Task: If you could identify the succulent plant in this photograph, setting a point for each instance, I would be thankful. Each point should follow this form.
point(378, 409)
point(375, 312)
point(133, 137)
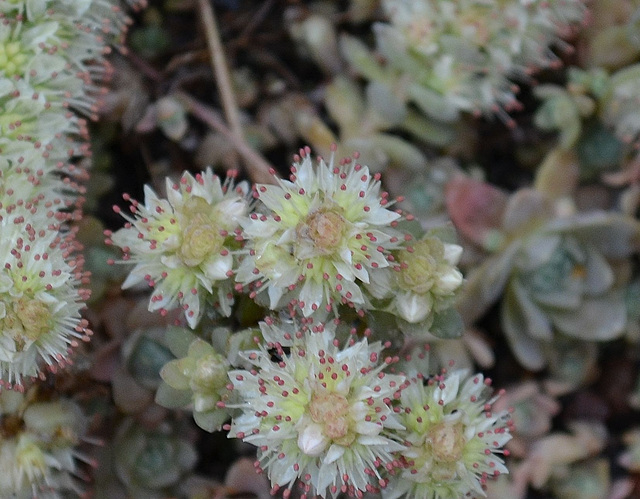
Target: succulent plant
point(452, 437)
point(557, 272)
point(424, 281)
point(199, 377)
point(321, 414)
point(322, 235)
point(463, 56)
point(150, 462)
point(182, 246)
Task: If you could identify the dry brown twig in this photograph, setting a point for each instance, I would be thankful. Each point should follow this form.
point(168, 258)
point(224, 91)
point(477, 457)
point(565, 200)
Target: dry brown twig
point(257, 167)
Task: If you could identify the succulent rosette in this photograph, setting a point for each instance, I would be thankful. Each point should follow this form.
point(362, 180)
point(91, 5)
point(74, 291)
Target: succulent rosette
point(561, 273)
point(320, 414)
point(183, 246)
point(322, 235)
point(452, 438)
point(148, 460)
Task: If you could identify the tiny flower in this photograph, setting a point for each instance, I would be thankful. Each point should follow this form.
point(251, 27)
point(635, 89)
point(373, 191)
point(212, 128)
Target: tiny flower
point(182, 246)
point(319, 414)
point(325, 231)
point(37, 448)
point(426, 279)
point(40, 298)
point(452, 438)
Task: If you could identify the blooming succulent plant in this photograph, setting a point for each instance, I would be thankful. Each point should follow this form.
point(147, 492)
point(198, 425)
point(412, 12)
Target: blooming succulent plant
point(462, 56)
point(423, 282)
point(451, 437)
point(38, 446)
point(40, 298)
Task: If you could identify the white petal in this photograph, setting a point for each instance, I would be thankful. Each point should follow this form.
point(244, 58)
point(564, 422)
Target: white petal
point(334, 453)
point(413, 307)
point(216, 268)
point(312, 440)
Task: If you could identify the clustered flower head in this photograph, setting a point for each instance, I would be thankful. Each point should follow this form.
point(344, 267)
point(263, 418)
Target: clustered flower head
point(183, 246)
point(323, 234)
point(319, 413)
point(38, 441)
point(40, 297)
point(332, 419)
point(423, 282)
point(51, 66)
point(462, 56)
point(451, 438)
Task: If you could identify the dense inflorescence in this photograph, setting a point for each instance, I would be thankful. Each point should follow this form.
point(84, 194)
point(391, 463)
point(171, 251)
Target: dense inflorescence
point(183, 246)
point(452, 438)
point(322, 414)
point(322, 235)
point(466, 56)
point(51, 68)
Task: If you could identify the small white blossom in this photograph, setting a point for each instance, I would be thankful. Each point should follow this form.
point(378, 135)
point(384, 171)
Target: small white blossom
point(452, 438)
point(182, 246)
point(37, 448)
point(318, 413)
point(40, 297)
point(324, 232)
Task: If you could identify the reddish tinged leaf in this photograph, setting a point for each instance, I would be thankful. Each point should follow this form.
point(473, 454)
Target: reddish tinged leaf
point(476, 208)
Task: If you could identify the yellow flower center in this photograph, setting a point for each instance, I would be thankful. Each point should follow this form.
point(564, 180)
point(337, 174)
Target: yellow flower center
point(324, 228)
point(331, 410)
point(200, 235)
point(12, 58)
point(447, 442)
point(420, 267)
point(25, 321)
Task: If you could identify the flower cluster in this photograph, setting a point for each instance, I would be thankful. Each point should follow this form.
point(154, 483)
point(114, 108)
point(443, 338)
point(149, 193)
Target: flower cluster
point(40, 298)
point(51, 65)
point(321, 414)
point(325, 232)
point(451, 438)
point(38, 446)
point(463, 56)
point(331, 418)
point(423, 282)
point(183, 245)
point(323, 239)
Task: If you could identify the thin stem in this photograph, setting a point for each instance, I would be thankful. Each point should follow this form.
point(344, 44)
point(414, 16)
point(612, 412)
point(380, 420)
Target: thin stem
point(258, 168)
point(220, 68)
